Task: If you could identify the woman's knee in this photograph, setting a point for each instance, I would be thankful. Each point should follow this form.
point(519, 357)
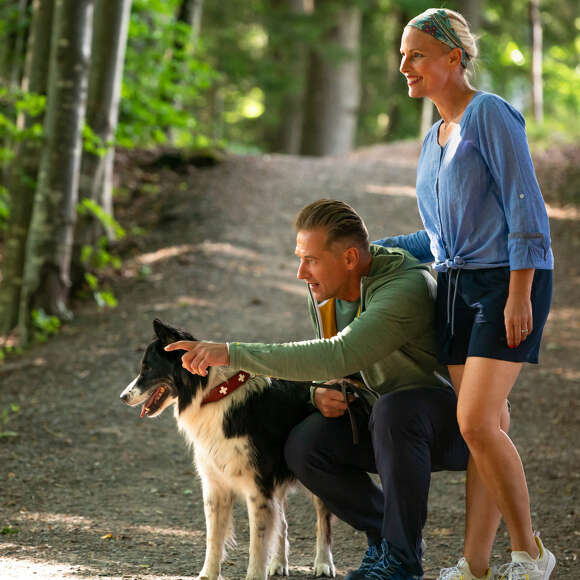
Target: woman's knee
point(478, 428)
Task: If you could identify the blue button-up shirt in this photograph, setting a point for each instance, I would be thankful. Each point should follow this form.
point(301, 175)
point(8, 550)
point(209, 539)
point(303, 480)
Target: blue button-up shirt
point(478, 195)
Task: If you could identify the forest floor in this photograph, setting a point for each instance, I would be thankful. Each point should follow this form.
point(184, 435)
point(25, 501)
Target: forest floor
point(87, 489)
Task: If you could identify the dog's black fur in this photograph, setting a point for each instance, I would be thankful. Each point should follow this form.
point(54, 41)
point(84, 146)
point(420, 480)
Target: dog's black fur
point(250, 426)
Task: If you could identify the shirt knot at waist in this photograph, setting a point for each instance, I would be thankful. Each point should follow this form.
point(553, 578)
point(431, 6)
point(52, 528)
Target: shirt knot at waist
point(456, 263)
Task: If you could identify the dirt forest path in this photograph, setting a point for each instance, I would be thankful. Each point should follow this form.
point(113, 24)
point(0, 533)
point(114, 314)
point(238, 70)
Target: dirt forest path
point(88, 490)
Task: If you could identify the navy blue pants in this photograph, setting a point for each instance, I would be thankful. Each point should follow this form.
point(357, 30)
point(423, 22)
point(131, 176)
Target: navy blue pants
point(410, 434)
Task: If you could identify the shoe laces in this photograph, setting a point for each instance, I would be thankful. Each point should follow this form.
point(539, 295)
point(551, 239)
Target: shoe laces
point(517, 571)
point(453, 573)
point(370, 558)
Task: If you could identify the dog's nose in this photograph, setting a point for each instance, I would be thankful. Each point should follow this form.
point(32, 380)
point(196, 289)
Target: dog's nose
point(124, 397)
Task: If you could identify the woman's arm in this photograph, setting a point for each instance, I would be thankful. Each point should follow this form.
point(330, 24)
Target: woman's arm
point(417, 244)
point(518, 308)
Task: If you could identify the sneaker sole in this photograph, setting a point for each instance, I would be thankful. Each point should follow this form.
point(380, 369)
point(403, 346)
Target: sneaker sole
point(551, 566)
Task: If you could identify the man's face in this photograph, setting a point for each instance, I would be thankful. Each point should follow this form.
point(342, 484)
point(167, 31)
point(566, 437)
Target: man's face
point(324, 269)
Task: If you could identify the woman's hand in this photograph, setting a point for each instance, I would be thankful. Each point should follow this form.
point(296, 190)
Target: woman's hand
point(201, 355)
point(518, 309)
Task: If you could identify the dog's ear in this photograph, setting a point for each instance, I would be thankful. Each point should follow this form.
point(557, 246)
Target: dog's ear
point(165, 333)
point(168, 334)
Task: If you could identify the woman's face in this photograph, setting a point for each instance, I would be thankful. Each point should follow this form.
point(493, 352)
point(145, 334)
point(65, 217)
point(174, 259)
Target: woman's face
point(426, 63)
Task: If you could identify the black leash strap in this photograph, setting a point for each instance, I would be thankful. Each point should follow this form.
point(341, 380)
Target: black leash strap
point(347, 388)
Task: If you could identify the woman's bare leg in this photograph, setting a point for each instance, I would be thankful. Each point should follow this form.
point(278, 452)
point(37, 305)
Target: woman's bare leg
point(482, 515)
point(485, 386)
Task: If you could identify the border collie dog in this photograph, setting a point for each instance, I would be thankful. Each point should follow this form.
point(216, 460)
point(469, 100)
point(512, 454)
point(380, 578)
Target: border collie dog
point(237, 424)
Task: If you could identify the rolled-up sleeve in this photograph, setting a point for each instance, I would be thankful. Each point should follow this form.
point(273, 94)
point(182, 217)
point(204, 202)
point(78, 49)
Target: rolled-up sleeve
point(504, 148)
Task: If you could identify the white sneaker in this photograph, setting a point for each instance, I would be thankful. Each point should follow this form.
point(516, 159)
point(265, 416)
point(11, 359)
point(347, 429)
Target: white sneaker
point(524, 567)
point(461, 572)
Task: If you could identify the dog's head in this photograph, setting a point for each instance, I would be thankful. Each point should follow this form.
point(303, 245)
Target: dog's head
point(162, 381)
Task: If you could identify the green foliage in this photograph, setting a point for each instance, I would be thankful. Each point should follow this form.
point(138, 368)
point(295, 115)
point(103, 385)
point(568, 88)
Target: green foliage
point(107, 221)
point(5, 416)
point(44, 325)
point(97, 259)
point(162, 81)
point(103, 298)
point(4, 206)
point(8, 530)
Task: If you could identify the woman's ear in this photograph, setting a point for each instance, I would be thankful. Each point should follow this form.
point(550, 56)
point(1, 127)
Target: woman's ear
point(454, 57)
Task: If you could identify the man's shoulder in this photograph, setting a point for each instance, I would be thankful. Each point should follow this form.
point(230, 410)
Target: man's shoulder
point(394, 262)
point(409, 282)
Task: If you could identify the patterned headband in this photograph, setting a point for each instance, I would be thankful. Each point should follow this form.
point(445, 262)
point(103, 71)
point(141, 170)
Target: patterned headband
point(437, 24)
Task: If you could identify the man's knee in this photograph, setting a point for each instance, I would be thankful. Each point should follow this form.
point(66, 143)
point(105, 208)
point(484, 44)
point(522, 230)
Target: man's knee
point(395, 413)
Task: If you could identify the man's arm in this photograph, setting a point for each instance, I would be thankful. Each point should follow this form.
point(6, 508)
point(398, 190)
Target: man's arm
point(394, 316)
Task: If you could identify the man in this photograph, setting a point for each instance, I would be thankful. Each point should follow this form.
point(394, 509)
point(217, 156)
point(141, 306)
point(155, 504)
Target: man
point(372, 309)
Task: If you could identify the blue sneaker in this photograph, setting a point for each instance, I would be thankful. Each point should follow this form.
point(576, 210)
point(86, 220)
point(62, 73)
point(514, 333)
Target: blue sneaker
point(370, 558)
point(388, 567)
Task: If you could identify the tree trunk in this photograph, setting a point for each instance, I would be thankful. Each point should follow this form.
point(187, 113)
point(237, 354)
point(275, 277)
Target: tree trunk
point(111, 25)
point(13, 63)
point(292, 107)
point(333, 93)
point(473, 12)
point(190, 13)
point(537, 87)
point(19, 44)
point(24, 168)
point(49, 245)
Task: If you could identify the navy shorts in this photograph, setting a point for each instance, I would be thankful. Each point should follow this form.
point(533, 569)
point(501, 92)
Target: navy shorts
point(470, 317)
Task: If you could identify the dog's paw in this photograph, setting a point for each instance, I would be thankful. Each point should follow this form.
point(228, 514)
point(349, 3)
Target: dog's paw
point(277, 568)
point(204, 576)
point(324, 569)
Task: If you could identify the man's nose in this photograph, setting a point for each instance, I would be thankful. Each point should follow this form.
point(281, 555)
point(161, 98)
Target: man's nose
point(301, 273)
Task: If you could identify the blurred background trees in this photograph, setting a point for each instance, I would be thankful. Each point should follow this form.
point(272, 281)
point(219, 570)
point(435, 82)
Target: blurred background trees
point(311, 77)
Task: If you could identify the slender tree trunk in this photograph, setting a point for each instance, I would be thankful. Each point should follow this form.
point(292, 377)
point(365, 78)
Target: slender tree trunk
point(292, 108)
point(19, 44)
point(50, 240)
point(473, 12)
point(24, 168)
point(537, 86)
point(190, 13)
point(333, 93)
point(111, 25)
point(13, 66)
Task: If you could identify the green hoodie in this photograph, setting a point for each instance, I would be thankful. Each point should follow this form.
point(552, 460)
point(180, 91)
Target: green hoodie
point(391, 342)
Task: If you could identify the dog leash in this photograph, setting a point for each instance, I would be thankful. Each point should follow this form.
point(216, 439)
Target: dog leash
point(348, 388)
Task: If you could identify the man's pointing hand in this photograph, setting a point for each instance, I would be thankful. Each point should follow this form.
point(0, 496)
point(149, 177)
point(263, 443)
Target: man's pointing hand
point(201, 355)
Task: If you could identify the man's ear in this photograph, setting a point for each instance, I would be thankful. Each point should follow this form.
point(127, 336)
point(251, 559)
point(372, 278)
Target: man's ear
point(168, 334)
point(351, 257)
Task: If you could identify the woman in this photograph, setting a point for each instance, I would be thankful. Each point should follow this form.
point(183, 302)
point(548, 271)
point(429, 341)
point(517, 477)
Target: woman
point(486, 229)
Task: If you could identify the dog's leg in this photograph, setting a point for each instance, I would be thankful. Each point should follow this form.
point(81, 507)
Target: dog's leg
point(263, 517)
point(279, 562)
point(217, 505)
point(323, 563)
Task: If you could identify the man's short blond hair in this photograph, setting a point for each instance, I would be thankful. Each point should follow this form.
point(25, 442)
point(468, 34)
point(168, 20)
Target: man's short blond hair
point(341, 221)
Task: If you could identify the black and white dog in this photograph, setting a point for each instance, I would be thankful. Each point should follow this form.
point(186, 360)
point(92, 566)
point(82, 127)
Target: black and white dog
point(237, 424)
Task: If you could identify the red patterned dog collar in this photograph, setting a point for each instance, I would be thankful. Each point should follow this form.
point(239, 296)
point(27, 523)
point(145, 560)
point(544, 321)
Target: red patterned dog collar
point(224, 389)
